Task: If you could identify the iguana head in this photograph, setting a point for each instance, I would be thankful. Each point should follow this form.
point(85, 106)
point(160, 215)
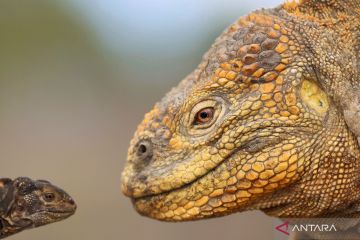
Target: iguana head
point(249, 124)
point(32, 203)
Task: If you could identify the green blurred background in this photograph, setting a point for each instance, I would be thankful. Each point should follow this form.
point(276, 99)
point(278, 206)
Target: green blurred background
point(76, 77)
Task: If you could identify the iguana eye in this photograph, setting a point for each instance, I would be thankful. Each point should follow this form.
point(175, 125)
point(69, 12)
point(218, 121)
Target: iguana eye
point(205, 115)
point(49, 197)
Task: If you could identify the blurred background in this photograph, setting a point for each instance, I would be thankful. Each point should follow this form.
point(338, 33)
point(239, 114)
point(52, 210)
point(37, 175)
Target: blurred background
point(76, 77)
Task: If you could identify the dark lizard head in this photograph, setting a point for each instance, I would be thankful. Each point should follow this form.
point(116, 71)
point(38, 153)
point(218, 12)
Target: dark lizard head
point(30, 204)
point(256, 125)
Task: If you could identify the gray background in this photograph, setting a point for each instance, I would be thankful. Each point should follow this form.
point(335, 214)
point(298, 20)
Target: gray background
point(76, 78)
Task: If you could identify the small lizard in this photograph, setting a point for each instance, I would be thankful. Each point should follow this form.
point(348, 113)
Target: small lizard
point(267, 121)
point(26, 203)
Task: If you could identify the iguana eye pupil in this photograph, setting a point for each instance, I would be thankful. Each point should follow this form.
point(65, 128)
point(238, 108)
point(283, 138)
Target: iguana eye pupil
point(49, 197)
point(204, 115)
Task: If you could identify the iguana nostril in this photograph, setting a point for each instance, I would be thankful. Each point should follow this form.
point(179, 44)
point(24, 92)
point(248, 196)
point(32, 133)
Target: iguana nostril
point(144, 149)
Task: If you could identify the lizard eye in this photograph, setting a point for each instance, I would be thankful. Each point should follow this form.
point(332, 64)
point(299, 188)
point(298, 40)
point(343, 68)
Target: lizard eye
point(205, 115)
point(49, 197)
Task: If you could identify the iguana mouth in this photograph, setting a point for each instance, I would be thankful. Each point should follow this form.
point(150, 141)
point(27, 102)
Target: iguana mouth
point(267, 142)
point(57, 214)
point(59, 211)
point(251, 146)
point(164, 193)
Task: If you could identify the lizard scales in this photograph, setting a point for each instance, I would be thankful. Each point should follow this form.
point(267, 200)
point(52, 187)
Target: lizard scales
point(267, 121)
point(26, 204)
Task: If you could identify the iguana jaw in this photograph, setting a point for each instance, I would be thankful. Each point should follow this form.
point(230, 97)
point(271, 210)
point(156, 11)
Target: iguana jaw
point(51, 216)
point(216, 194)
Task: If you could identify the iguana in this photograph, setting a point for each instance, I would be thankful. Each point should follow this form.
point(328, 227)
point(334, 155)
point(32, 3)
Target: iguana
point(26, 203)
point(267, 121)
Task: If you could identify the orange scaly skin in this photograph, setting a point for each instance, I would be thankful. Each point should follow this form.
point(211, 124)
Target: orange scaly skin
point(281, 85)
